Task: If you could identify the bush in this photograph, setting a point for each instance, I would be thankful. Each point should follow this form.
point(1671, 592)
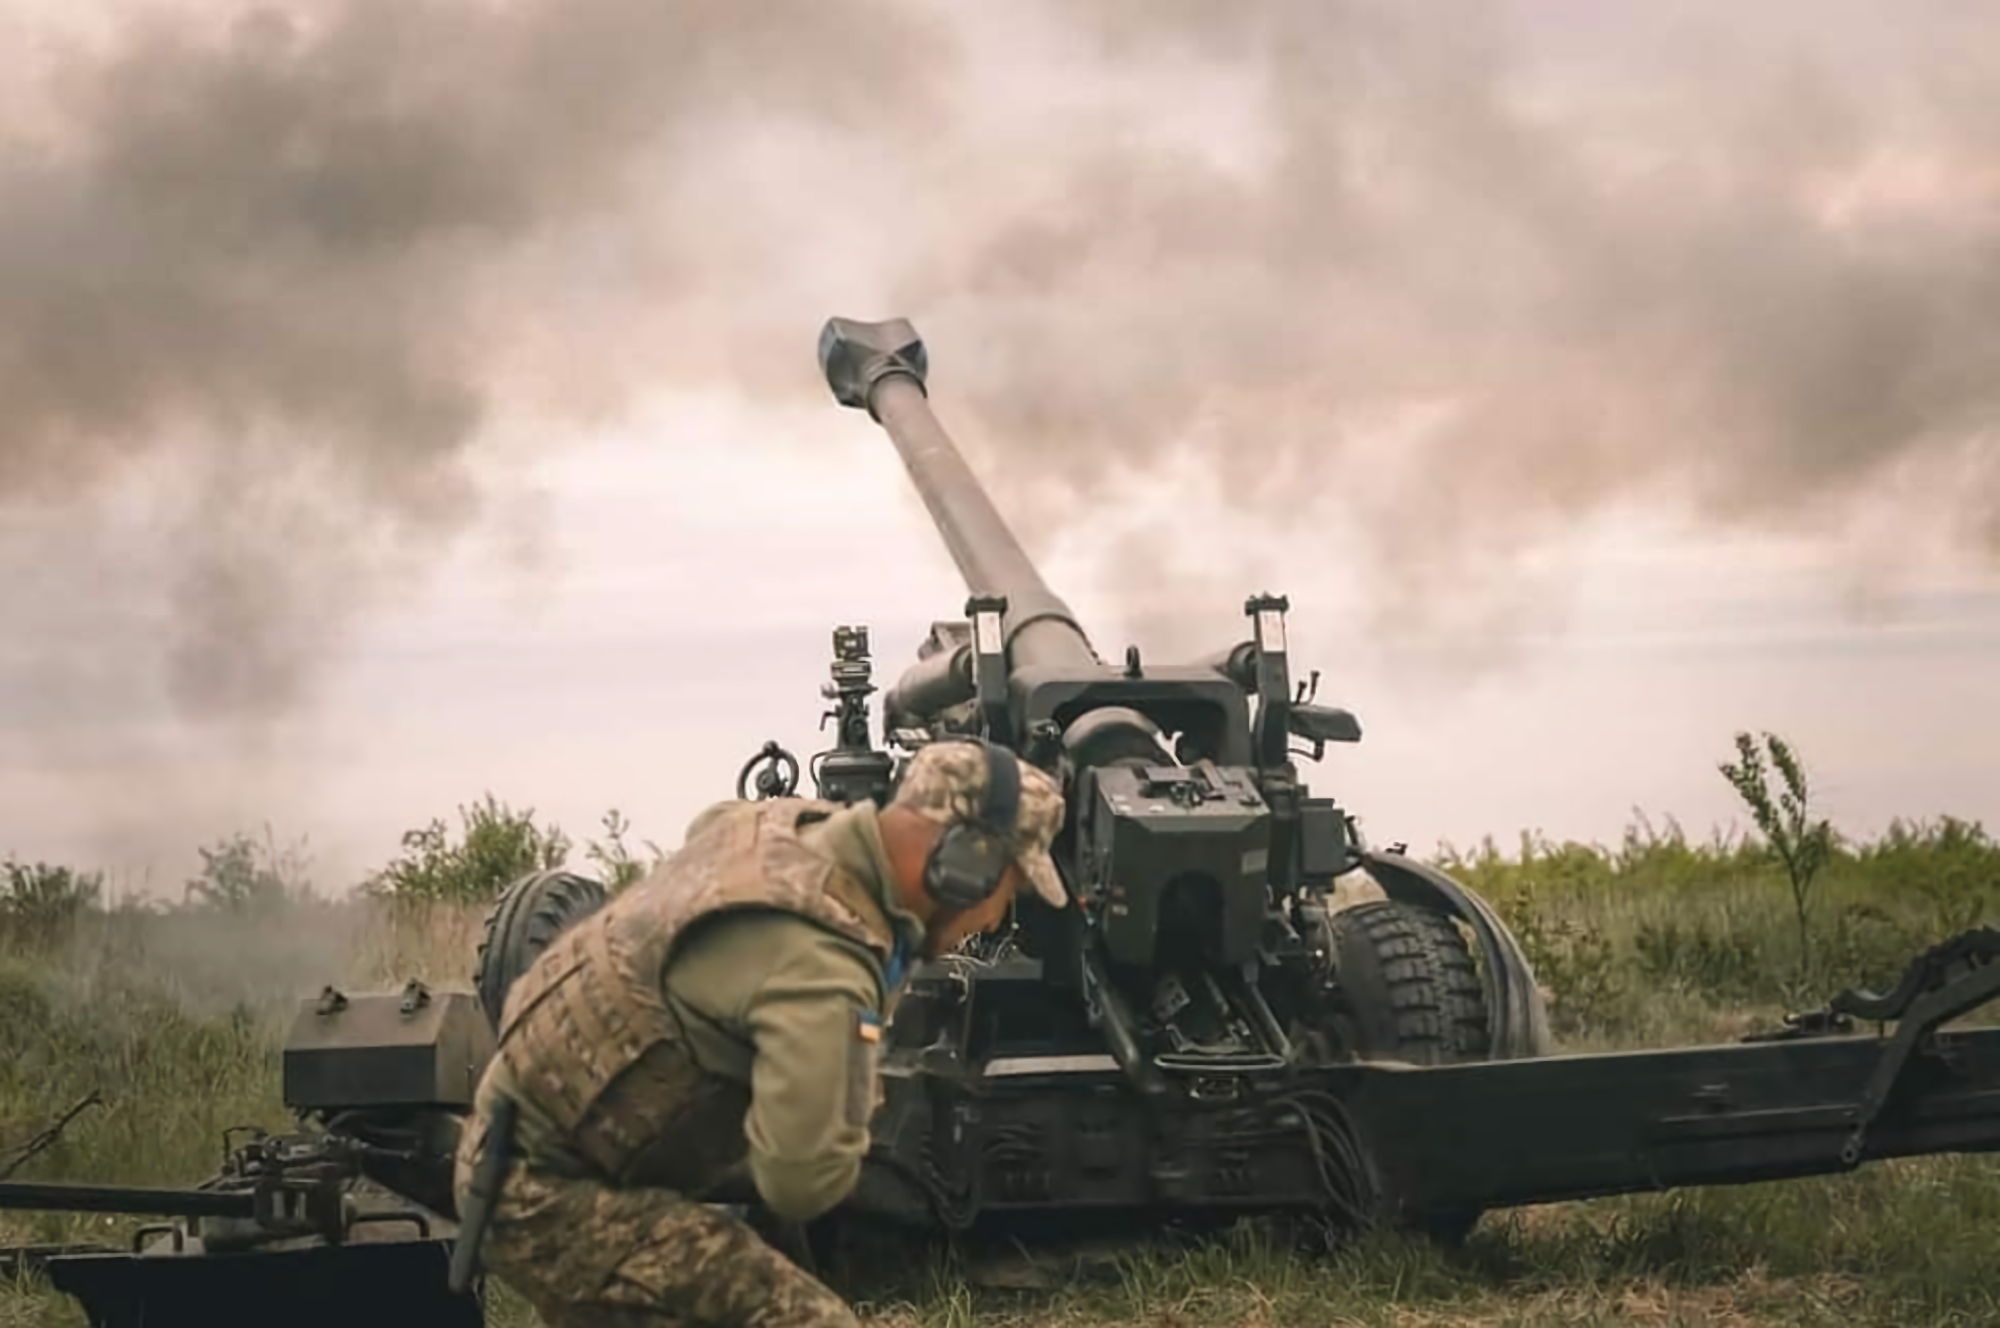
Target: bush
point(611, 854)
point(42, 904)
point(240, 875)
point(499, 845)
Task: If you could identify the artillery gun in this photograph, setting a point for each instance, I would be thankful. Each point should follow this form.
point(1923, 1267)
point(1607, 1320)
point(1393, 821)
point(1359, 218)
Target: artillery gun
point(1140, 1051)
point(1207, 1032)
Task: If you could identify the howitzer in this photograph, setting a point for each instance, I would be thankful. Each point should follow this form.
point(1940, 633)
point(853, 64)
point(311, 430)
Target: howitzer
point(1211, 1030)
point(1208, 1032)
point(1203, 970)
point(1200, 864)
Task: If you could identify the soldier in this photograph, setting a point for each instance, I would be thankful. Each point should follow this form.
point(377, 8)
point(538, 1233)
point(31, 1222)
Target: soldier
point(722, 1016)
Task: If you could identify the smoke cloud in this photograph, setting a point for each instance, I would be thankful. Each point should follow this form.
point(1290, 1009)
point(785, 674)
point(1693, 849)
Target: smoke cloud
point(294, 263)
point(1422, 285)
point(1496, 268)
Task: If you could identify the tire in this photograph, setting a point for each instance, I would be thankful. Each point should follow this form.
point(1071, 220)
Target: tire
point(1411, 993)
point(529, 914)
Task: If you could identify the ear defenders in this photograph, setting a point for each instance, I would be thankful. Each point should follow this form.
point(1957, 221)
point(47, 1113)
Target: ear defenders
point(965, 865)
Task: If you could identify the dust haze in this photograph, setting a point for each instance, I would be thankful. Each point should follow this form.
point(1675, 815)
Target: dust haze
point(1421, 285)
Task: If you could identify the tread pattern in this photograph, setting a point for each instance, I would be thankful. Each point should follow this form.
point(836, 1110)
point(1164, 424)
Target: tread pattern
point(1411, 993)
point(530, 913)
point(1410, 983)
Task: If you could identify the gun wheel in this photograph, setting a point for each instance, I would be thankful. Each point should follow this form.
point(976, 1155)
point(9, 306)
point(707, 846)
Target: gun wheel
point(529, 914)
point(1412, 992)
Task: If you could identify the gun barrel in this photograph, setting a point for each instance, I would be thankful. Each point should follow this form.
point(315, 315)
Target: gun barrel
point(134, 1200)
point(881, 367)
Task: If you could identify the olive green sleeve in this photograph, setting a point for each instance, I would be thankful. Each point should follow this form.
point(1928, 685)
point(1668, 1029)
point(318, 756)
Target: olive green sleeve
point(813, 1077)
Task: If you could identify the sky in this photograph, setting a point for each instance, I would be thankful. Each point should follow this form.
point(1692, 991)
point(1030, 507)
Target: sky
point(395, 420)
point(671, 628)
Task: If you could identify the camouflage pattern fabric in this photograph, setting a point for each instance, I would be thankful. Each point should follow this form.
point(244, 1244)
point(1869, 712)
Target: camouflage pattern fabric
point(588, 1041)
point(946, 782)
point(589, 1256)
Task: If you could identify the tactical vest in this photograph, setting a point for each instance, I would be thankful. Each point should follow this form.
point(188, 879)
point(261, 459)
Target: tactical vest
point(586, 1032)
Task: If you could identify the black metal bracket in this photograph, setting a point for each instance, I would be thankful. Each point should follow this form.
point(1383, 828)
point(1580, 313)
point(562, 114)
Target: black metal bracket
point(1941, 984)
point(1944, 963)
point(1950, 979)
point(777, 772)
point(987, 614)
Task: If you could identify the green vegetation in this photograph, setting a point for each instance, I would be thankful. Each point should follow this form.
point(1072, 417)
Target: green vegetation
point(172, 1015)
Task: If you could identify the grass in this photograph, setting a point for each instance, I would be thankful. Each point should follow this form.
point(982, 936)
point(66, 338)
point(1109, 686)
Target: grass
point(174, 1017)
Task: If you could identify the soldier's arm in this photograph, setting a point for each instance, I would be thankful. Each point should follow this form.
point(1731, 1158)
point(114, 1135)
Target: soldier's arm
point(813, 1077)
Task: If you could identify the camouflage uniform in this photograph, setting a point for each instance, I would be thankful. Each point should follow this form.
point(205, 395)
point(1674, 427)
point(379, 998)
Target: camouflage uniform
point(642, 1069)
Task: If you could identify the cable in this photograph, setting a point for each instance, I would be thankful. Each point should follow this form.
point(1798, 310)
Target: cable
point(1337, 1156)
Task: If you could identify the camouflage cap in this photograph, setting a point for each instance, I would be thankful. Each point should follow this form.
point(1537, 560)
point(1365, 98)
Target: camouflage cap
point(946, 782)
